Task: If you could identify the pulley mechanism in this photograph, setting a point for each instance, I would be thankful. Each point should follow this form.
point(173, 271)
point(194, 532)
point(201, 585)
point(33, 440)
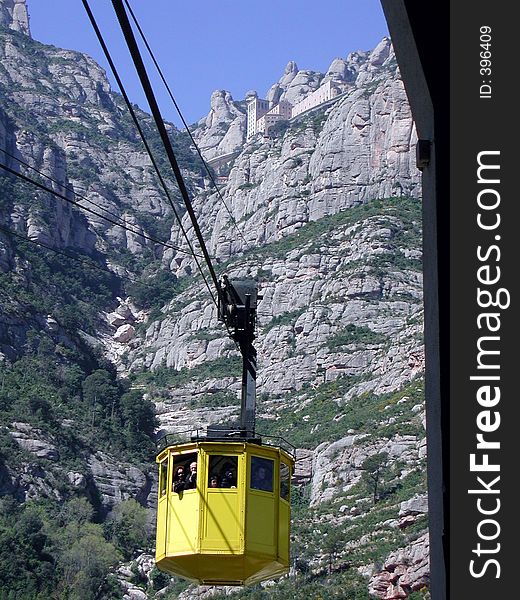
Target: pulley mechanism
point(237, 309)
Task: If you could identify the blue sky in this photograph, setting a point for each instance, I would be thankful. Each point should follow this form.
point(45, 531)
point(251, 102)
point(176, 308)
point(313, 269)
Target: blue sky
point(204, 45)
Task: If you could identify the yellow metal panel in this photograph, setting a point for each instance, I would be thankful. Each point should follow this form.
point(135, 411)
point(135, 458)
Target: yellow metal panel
point(222, 511)
point(262, 508)
point(162, 520)
point(205, 529)
point(223, 569)
point(183, 522)
point(223, 521)
point(261, 523)
point(284, 519)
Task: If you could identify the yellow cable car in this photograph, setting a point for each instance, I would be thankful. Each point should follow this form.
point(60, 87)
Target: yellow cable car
point(223, 513)
point(232, 528)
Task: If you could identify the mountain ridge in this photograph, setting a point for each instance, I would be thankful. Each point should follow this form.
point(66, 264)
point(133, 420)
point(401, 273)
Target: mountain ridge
point(329, 210)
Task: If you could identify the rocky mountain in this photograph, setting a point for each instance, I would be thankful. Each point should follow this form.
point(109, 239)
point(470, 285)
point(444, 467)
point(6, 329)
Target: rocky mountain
point(223, 130)
point(324, 213)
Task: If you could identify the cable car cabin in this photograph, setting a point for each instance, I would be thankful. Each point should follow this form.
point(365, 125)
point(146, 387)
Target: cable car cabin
point(232, 526)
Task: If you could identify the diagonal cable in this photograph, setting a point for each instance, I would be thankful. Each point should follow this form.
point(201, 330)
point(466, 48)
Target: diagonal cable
point(150, 96)
point(119, 222)
point(141, 133)
point(85, 208)
point(64, 253)
point(170, 93)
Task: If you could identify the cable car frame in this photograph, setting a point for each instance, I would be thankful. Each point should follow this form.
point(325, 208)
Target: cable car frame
point(227, 534)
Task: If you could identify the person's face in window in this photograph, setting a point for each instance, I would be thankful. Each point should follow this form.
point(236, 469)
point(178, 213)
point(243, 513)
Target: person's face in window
point(193, 467)
point(213, 482)
point(180, 473)
point(261, 473)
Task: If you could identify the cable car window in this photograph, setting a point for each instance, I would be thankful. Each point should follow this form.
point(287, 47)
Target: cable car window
point(163, 477)
point(184, 472)
point(262, 474)
point(222, 471)
point(285, 476)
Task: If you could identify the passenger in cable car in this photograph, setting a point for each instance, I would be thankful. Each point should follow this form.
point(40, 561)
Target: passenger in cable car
point(213, 482)
point(229, 480)
point(179, 483)
point(260, 480)
point(191, 479)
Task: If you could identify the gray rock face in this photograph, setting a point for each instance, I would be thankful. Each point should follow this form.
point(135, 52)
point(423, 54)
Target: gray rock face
point(223, 131)
point(80, 138)
point(339, 465)
point(360, 148)
point(143, 566)
point(116, 481)
point(302, 281)
point(13, 14)
point(416, 505)
point(323, 273)
point(34, 441)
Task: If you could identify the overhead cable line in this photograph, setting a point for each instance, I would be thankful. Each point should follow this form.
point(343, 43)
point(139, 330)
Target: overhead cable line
point(68, 188)
point(87, 262)
point(159, 122)
point(142, 135)
point(120, 223)
point(152, 102)
point(89, 210)
point(63, 253)
point(170, 93)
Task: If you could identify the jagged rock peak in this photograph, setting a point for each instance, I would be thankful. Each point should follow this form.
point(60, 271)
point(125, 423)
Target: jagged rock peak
point(223, 130)
point(338, 67)
point(381, 52)
point(222, 107)
point(14, 15)
point(291, 67)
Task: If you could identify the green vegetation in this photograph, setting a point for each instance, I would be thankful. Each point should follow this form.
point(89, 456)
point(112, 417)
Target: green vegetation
point(278, 129)
point(323, 415)
point(345, 584)
point(52, 382)
point(156, 291)
point(53, 551)
point(43, 389)
point(80, 130)
point(327, 546)
point(407, 234)
point(374, 468)
point(215, 399)
point(186, 156)
point(160, 228)
point(204, 334)
point(128, 528)
point(74, 292)
point(164, 377)
point(284, 319)
point(354, 334)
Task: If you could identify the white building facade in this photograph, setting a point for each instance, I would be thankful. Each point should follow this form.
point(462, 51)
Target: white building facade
point(256, 109)
point(324, 93)
point(261, 114)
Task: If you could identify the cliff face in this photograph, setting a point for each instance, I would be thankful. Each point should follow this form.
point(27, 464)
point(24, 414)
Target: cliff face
point(325, 214)
point(13, 14)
